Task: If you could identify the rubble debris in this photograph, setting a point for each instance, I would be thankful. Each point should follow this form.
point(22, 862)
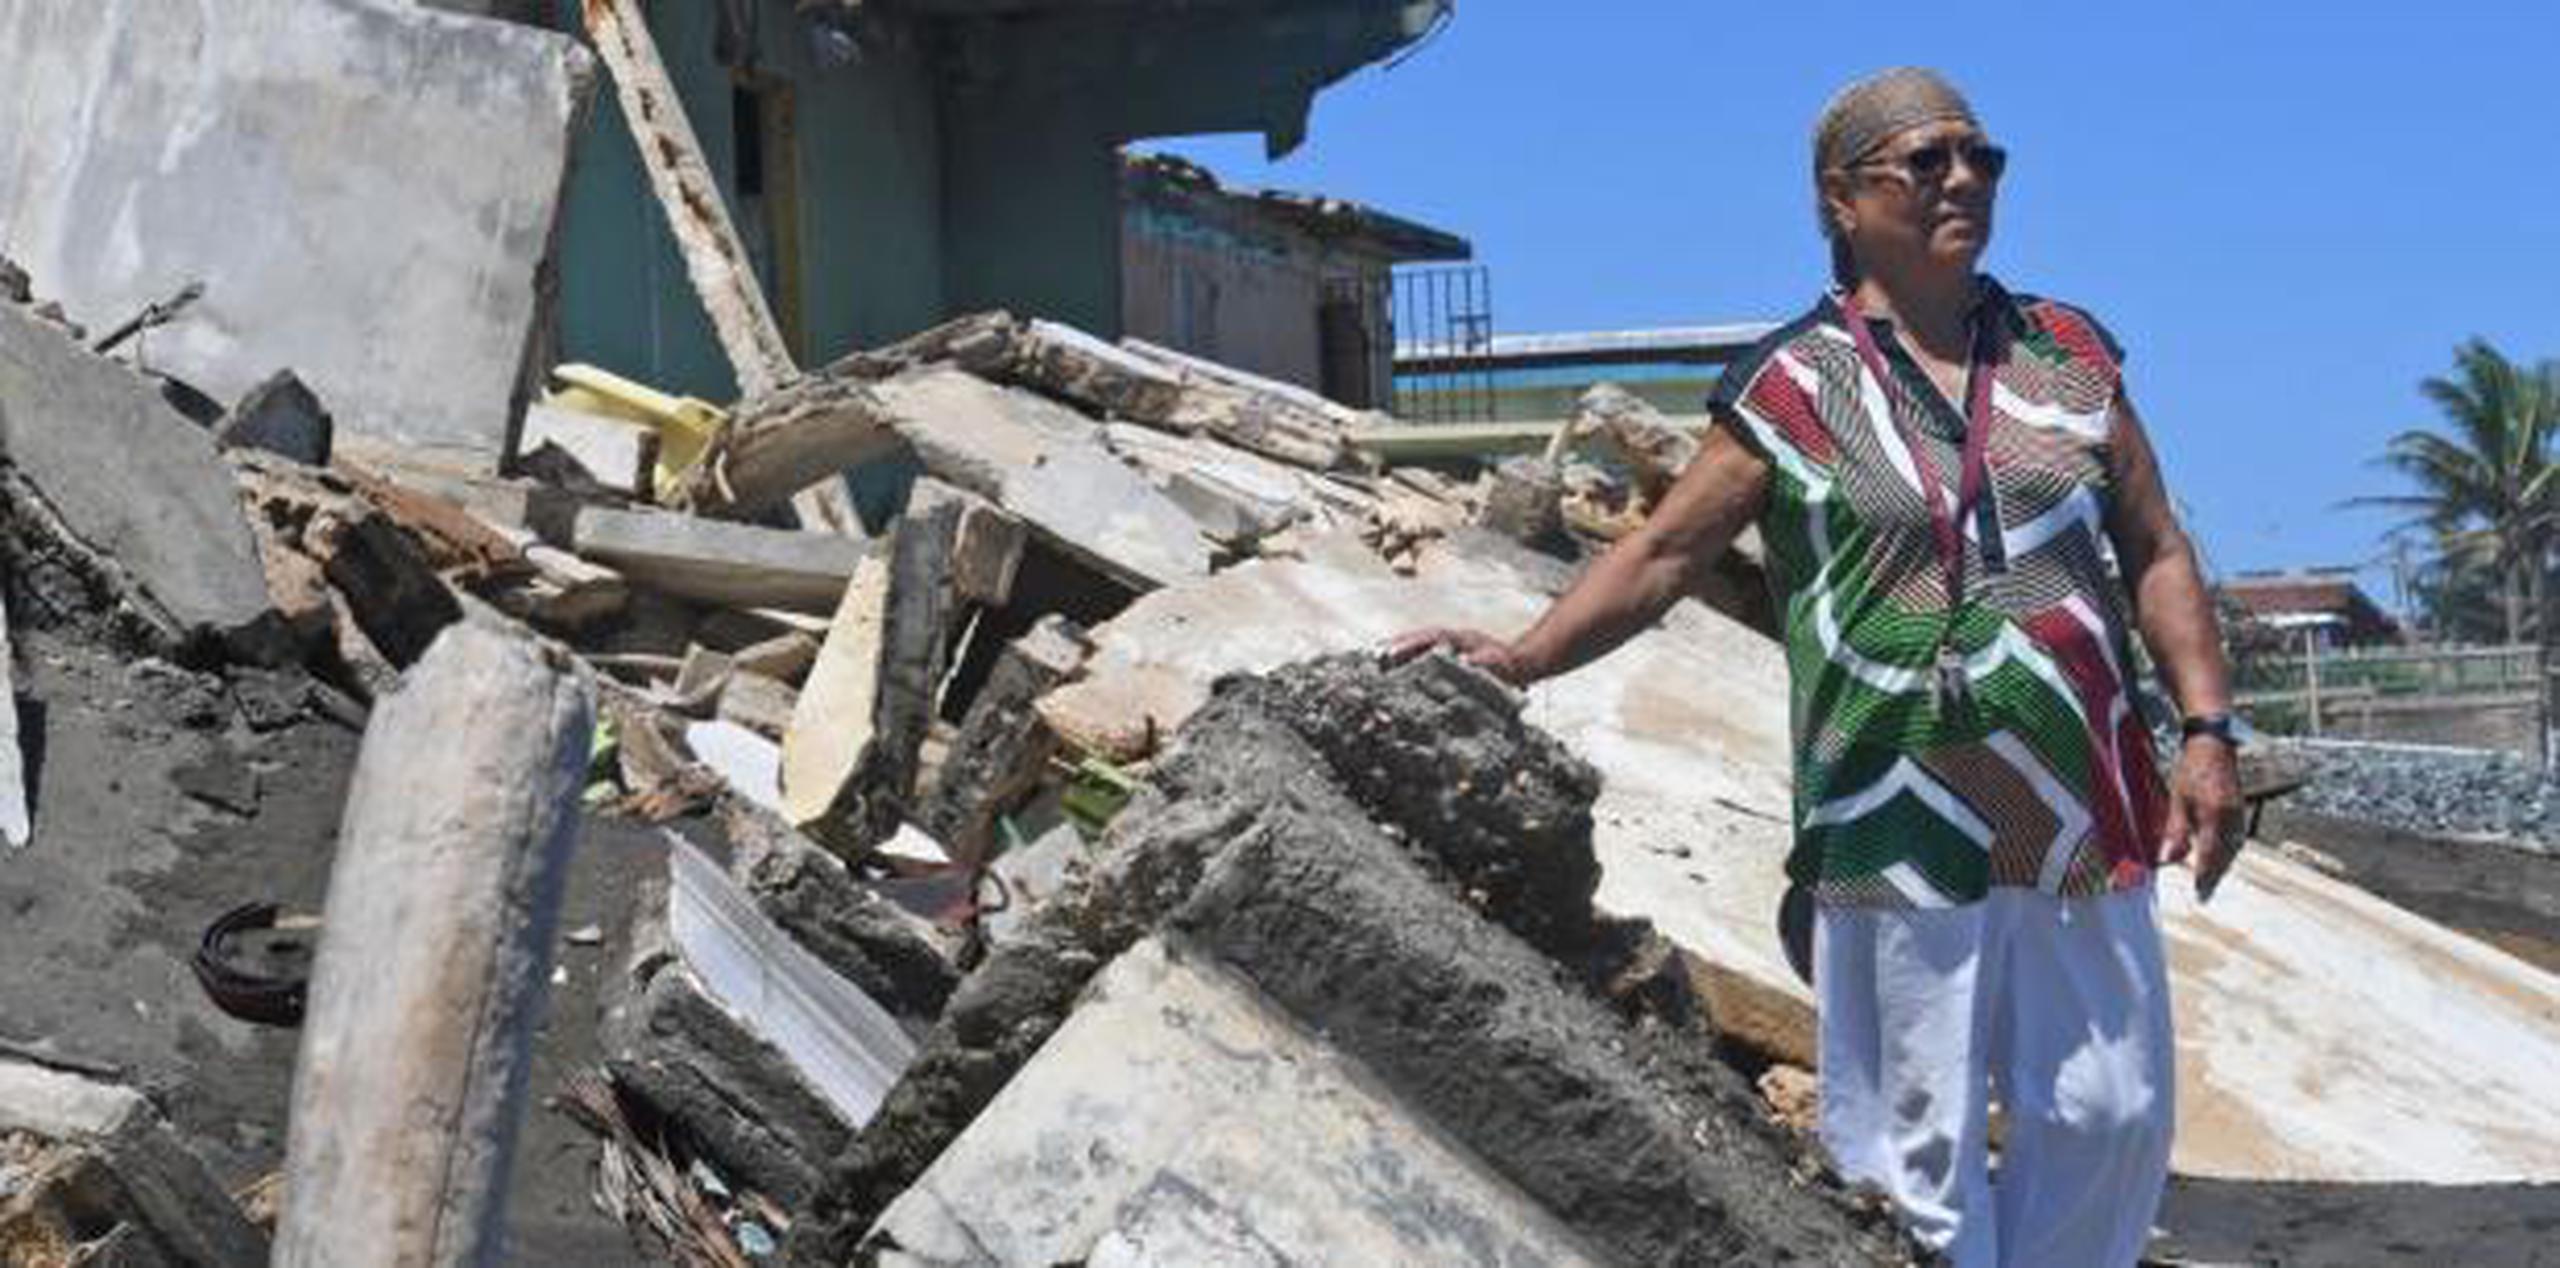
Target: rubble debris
point(15, 286)
point(116, 1182)
point(785, 657)
point(781, 443)
point(135, 486)
point(1268, 417)
point(1243, 848)
point(281, 416)
point(432, 966)
point(757, 702)
point(988, 553)
point(741, 565)
point(849, 760)
point(697, 213)
point(1181, 1117)
point(722, 1008)
point(618, 455)
point(898, 959)
point(1027, 876)
point(640, 1181)
point(1003, 746)
point(1526, 504)
point(1044, 463)
point(129, 131)
point(1638, 439)
point(748, 763)
point(388, 586)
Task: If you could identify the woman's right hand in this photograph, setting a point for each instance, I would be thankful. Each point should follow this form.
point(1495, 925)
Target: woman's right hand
point(1475, 647)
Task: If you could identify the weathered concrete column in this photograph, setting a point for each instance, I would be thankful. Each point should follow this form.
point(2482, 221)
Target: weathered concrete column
point(435, 956)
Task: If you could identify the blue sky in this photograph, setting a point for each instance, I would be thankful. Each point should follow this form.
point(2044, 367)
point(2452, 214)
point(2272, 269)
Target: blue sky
point(2290, 212)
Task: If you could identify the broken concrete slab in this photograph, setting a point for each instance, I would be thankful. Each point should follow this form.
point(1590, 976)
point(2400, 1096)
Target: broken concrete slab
point(988, 553)
point(739, 565)
point(1181, 1117)
point(2430, 1062)
point(1248, 852)
point(723, 1009)
point(849, 760)
point(1044, 463)
point(282, 417)
point(1003, 745)
point(757, 702)
point(141, 1174)
point(620, 455)
point(135, 483)
point(131, 119)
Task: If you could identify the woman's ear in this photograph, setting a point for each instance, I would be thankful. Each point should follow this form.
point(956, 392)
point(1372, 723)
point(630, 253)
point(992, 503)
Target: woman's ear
point(1839, 211)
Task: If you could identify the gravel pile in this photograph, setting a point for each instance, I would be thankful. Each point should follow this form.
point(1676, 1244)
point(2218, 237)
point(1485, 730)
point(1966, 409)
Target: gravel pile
point(2435, 791)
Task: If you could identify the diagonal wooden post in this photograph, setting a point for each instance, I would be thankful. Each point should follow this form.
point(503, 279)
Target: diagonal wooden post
point(714, 256)
point(436, 956)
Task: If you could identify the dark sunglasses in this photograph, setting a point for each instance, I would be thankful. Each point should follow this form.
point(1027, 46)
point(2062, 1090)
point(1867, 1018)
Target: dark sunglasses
point(1929, 164)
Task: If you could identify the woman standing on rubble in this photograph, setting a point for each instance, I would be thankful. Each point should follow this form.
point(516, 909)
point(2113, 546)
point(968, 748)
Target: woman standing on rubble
point(1939, 467)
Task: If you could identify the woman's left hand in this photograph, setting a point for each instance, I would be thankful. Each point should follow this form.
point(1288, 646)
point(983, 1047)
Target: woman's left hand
point(2204, 811)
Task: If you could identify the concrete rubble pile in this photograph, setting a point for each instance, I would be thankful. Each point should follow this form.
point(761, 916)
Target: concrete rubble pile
point(945, 807)
point(894, 877)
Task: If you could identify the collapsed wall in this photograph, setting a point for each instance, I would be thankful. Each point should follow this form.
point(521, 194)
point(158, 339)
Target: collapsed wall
point(1334, 836)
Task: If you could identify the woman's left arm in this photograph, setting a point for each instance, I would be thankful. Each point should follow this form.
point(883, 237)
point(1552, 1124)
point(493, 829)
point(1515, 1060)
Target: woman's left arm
point(2176, 617)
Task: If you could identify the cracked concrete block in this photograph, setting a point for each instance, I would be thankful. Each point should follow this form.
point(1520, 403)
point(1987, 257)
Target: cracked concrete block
point(134, 482)
point(1045, 464)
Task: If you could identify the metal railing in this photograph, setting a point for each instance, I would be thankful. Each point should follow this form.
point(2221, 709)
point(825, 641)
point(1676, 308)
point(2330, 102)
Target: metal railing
point(1442, 314)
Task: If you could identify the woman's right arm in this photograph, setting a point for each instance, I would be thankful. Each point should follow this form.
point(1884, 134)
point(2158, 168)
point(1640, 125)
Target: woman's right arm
point(1636, 581)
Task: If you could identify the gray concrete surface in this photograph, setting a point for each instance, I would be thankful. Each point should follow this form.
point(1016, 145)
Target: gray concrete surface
point(132, 479)
point(1180, 1117)
point(267, 148)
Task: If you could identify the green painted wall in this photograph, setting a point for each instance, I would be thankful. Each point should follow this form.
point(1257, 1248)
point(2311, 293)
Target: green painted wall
point(868, 143)
point(1033, 205)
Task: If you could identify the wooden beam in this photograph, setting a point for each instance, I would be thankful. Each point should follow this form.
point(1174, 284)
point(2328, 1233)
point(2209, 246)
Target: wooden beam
point(435, 957)
point(714, 257)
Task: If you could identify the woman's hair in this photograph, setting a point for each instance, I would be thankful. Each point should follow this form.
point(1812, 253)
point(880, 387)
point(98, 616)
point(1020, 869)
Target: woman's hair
point(1863, 116)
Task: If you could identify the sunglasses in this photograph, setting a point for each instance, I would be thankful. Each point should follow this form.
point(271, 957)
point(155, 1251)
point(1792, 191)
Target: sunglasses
point(1932, 163)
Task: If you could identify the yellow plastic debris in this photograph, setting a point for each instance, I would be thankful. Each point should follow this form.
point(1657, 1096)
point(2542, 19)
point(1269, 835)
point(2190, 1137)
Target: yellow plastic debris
point(684, 425)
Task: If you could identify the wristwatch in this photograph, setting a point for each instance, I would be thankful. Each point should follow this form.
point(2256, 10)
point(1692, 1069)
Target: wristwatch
point(2221, 726)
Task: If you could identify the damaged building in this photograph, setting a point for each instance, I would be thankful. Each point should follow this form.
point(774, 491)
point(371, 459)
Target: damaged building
point(485, 787)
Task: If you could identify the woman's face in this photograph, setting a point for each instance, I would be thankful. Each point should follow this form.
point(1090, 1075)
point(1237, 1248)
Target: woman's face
point(1924, 198)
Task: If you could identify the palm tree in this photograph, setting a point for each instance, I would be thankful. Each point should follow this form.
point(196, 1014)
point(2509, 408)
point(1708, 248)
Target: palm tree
point(2486, 488)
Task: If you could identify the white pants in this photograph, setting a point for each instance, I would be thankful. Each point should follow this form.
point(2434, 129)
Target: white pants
point(2061, 1008)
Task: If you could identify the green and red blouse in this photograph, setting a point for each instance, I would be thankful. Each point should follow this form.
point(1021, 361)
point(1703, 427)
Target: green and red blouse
point(1955, 727)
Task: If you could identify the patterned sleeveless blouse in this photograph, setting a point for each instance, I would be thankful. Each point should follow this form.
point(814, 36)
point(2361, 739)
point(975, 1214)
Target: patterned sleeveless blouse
point(2041, 772)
